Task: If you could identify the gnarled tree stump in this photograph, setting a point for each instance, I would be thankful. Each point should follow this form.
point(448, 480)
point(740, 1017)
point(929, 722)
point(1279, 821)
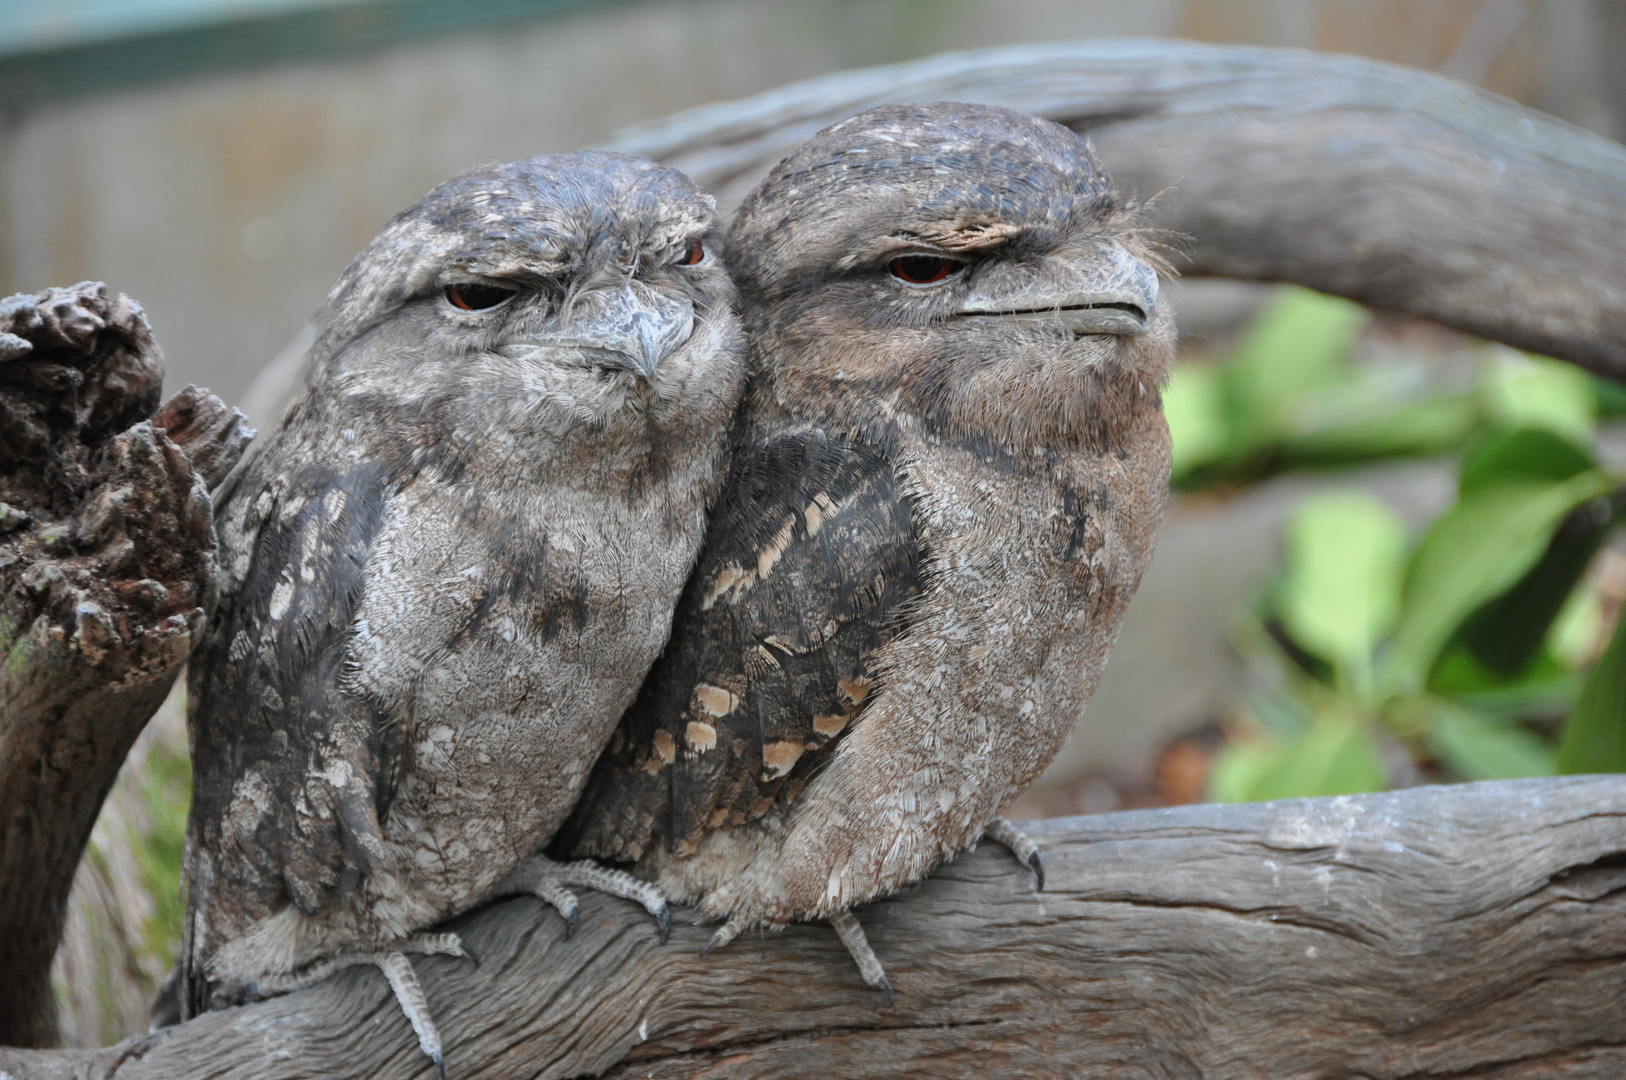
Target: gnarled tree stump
point(106, 572)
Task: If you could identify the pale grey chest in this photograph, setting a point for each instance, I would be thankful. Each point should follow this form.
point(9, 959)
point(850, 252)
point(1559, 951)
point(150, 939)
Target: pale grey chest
point(505, 632)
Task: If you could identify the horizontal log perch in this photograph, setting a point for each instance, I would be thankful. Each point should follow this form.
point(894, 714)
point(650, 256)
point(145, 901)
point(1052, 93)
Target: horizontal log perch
point(1395, 187)
point(1476, 930)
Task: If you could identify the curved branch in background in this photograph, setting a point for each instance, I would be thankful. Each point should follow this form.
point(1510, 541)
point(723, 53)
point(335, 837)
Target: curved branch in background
point(1475, 930)
point(106, 573)
point(1391, 186)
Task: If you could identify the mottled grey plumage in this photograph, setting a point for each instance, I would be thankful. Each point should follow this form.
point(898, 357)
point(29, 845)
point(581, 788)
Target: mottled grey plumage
point(449, 568)
point(942, 499)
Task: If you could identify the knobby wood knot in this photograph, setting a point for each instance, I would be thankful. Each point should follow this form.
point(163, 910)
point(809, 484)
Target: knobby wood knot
point(106, 538)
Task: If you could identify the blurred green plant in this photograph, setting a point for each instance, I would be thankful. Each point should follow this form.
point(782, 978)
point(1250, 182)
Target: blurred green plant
point(1465, 652)
point(167, 795)
point(1289, 396)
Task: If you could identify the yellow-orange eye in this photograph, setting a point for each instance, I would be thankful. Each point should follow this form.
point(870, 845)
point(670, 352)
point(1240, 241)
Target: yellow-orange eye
point(924, 269)
point(694, 256)
point(473, 297)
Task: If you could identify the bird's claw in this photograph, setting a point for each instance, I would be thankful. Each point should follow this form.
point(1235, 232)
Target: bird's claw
point(550, 882)
point(440, 1066)
point(725, 933)
point(1002, 832)
point(468, 952)
point(851, 933)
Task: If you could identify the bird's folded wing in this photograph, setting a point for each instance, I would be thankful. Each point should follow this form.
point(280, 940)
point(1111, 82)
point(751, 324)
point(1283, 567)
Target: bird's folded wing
point(810, 562)
point(293, 772)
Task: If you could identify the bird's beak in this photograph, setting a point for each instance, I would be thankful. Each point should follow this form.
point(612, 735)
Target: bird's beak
point(1109, 293)
point(627, 327)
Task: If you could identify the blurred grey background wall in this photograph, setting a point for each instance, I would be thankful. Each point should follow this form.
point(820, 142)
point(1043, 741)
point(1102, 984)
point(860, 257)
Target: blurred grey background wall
point(226, 194)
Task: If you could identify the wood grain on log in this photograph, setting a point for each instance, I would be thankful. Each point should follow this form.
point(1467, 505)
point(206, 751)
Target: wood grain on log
point(1392, 186)
point(106, 573)
point(1476, 930)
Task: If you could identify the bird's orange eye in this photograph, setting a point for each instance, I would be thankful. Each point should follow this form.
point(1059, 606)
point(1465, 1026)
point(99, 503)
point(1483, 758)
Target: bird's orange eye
point(473, 297)
point(694, 256)
point(924, 269)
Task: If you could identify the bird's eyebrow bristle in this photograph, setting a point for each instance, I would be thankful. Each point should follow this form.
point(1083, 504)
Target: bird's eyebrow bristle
point(535, 274)
point(973, 237)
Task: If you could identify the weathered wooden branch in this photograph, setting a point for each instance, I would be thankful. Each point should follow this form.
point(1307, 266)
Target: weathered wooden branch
point(1392, 186)
point(106, 571)
point(1477, 930)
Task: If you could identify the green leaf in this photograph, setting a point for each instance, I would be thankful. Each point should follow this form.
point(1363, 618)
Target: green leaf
point(1237, 769)
point(1520, 390)
point(1378, 430)
point(1523, 454)
point(1298, 343)
point(1479, 749)
point(1507, 633)
point(1282, 716)
point(1346, 557)
point(1595, 738)
point(1611, 397)
point(1194, 406)
point(1336, 757)
point(1544, 688)
point(1474, 552)
point(1576, 628)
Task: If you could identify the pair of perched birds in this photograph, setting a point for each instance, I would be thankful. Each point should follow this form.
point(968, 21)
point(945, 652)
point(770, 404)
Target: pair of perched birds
point(882, 508)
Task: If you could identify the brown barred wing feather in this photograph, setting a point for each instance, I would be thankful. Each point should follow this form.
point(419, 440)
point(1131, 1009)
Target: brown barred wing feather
point(810, 564)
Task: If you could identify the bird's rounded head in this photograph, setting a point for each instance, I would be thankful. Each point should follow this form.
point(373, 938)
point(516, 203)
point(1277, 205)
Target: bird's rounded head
point(585, 283)
point(975, 258)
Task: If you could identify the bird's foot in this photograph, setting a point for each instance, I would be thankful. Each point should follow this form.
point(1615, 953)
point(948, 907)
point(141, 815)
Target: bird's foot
point(402, 979)
point(725, 933)
point(409, 995)
point(311, 974)
point(869, 966)
point(1001, 831)
point(851, 934)
point(550, 882)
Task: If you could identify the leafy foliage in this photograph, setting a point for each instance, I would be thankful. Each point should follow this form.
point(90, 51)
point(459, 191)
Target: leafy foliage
point(1462, 652)
point(1289, 396)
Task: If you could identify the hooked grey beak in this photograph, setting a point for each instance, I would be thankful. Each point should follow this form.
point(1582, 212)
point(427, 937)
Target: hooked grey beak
point(628, 327)
point(1117, 296)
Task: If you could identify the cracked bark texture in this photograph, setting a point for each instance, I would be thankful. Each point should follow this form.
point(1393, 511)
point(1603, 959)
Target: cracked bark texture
point(1475, 930)
point(1395, 187)
point(106, 575)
